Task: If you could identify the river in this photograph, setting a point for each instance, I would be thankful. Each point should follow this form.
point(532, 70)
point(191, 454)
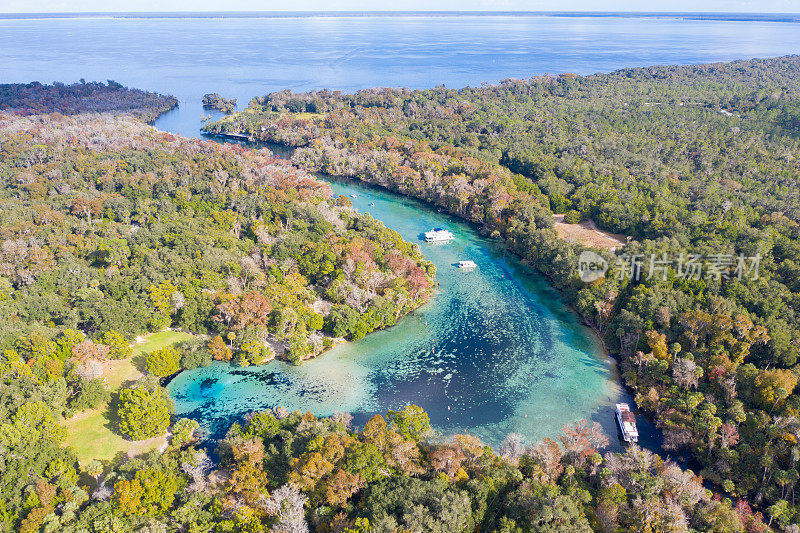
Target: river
point(496, 350)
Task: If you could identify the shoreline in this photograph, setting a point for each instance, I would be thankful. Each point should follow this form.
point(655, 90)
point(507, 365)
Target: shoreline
point(484, 231)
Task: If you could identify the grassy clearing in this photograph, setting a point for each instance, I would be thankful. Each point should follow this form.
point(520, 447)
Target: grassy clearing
point(118, 372)
point(93, 433)
point(156, 341)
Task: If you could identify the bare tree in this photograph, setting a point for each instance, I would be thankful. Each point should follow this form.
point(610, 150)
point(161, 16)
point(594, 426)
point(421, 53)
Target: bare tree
point(512, 447)
point(343, 418)
point(103, 491)
point(287, 503)
point(685, 373)
point(198, 469)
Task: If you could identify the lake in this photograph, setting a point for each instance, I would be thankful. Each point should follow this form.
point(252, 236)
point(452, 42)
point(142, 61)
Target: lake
point(244, 57)
point(495, 351)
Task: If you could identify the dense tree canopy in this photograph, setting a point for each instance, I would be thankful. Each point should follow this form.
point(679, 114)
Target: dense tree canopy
point(695, 161)
point(110, 226)
point(34, 98)
point(144, 410)
point(109, 229)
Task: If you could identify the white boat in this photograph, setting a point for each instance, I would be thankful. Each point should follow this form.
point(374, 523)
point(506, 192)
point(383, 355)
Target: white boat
point(467, 264)
point(627, 423)
point(439, 235)
point(372, 204)
point(353, 196)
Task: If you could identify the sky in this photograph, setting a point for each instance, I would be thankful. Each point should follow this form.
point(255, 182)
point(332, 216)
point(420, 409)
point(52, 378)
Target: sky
point(47, 6)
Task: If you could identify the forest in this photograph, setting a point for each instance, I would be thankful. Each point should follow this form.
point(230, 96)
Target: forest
point(110, 230)
point(110, 225)
point(689, 161)
point(36, 98)
point(219, 103)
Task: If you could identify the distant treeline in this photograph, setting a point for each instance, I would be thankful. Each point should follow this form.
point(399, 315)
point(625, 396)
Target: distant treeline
point(34, 98)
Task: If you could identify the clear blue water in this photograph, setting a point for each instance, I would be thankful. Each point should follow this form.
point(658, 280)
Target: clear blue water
point(495, 351)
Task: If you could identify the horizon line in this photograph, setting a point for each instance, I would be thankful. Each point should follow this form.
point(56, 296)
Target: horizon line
point(382, 12)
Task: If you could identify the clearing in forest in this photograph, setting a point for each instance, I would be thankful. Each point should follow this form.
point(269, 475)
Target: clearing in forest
point(587, 233)
point(93, 433)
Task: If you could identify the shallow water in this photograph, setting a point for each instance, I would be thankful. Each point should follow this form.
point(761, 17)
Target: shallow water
point(493, 352)
point(498, 344)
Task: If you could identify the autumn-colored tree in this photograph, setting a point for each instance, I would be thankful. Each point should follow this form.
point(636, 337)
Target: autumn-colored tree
point(583, 439)
point(247, 451)
point(87, 208)
point(249, 309)
point(773, 386)
point(340, 486)
point(219, 350)
point(543, 460)
point(149, 493)
point(249, 482)
point(401, 454)
point(320, 459)
point(658, 344)
point(471, 447)
point(447, 458)
point(89, 350)
point(308, 469)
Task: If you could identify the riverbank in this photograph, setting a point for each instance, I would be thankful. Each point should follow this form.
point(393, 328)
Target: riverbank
point(651, 437)
point(494, 352)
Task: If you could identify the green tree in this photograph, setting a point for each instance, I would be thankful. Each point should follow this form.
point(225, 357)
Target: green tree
point(163, 362)
point(366, 460)
point(149, 493)
point(144, 411)
point(119, 347)
point(412, 422)
point(95, 469)
point(183, 432)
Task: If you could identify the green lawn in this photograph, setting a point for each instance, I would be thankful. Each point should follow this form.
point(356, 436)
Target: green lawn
point(154, 341)
point(93, 433)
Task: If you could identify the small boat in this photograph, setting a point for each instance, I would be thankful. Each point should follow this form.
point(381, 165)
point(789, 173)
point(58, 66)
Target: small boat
point(439, 235)
point(372, 204)
point(627, 423)
point(467, 264)
point(353, 196)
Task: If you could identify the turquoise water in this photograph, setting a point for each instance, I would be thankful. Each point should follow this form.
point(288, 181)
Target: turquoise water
point(495, 344)
point(493, 352)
